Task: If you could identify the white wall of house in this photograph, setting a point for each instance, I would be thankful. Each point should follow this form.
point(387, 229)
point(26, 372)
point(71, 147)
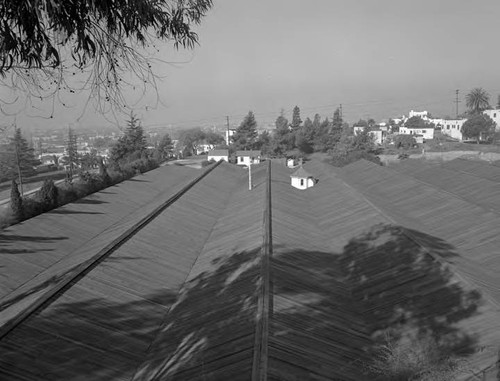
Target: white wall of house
point(302, 183)
point(247, 160)
point(421, 114)
point(378, 135)
point(218, 157)
point(427, 133)
point(453, 128)
point(495, 115)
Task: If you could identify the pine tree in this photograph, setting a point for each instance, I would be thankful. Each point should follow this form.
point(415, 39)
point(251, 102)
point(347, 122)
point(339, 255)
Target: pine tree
point(246, 134)
point(16, 202)
point(47, 195)
point(72, 151)
point(132, 145)
point(18, 158)
point(296, 121)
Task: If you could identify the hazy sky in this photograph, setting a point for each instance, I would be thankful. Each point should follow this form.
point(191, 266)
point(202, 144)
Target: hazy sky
point(377, 58)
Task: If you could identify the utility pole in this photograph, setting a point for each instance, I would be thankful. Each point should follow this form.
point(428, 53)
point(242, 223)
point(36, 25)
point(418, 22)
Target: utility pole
point(227, 122)
point(250, 175)
point(457, 102)
point(341, 116)
point(19, 172)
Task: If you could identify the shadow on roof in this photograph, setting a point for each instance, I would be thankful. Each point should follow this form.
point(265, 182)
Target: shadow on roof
point(8, 242)
point(331, 311)
point(69, 211)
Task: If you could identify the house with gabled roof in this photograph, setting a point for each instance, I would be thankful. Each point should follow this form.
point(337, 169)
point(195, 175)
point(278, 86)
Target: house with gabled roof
point(218, 155)
point(247, 157)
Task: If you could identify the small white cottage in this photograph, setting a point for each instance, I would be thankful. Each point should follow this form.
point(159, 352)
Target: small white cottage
point(247, 157)
point(301, 179)
point(218, 154)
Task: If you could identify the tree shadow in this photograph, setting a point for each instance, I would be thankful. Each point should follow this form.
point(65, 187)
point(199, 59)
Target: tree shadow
point(88, 200)
point(382, 283)
point(69, 211)
point(8, 243)
point(330, 313)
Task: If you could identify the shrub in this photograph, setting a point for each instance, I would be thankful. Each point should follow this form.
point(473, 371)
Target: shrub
point(47, 195)
point(414, 357)
point(16, 202)
point(205, 163)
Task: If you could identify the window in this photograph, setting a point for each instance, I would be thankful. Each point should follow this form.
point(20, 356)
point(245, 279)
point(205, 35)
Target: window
point(494, 115)
point(241, 159)
point(301, 182)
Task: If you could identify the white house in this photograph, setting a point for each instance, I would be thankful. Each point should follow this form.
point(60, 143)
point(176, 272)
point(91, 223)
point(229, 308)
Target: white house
point(379, 135)
point(218, 155)
point(495, 115)
point(229, 132)
point(421, 114)
point(301, 179)
point(453, 128)
point(426, 133)
point(247, 157)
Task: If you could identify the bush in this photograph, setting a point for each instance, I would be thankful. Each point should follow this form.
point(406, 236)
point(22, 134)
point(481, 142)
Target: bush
point(47, 195)
point(414, 357)
point(205, 163)
point(351, 157)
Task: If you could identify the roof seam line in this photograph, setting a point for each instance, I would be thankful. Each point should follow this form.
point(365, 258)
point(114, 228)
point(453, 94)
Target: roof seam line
point(84, 268)
point(264, 303)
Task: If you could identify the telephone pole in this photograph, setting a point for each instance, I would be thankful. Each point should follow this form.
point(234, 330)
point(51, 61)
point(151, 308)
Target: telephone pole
point(227, 122)
point(341, 116)
point(457, 102)
point(19, 172)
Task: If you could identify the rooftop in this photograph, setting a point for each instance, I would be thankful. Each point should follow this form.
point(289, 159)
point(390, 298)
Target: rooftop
point(185, 274)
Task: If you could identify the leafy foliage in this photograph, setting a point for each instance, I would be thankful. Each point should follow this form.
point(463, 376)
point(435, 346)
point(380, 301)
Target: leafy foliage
point(404, 141)
point(165, 147)
point(190, 140)
point(101, 38)
point(47, 195)
point(416, 122)
point(417, 358)
point(477, 100)
point(478, 126)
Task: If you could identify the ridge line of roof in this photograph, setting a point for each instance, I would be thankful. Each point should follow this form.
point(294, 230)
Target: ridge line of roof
point(68, 280)
point(264, 303)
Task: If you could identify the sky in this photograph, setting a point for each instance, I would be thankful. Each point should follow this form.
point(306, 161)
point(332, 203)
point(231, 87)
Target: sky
point(379, 59)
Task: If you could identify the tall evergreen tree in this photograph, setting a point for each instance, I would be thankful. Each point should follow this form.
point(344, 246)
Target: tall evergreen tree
point(18, 160)
point(130, 146)
point(246, 134)
point(296, 121)
point(283, 139)
point(16, 202)
point(72, 153)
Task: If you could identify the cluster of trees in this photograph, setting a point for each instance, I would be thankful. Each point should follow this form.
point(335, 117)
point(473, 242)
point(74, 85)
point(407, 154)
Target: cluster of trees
point(478, 125)
point(191, 140)
point(297, 138)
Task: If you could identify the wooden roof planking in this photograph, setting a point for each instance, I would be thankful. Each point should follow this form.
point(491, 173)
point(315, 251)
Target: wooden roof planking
point(276, 284)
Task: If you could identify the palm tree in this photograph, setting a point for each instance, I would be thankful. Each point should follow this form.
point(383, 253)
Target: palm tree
point(477, 100)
